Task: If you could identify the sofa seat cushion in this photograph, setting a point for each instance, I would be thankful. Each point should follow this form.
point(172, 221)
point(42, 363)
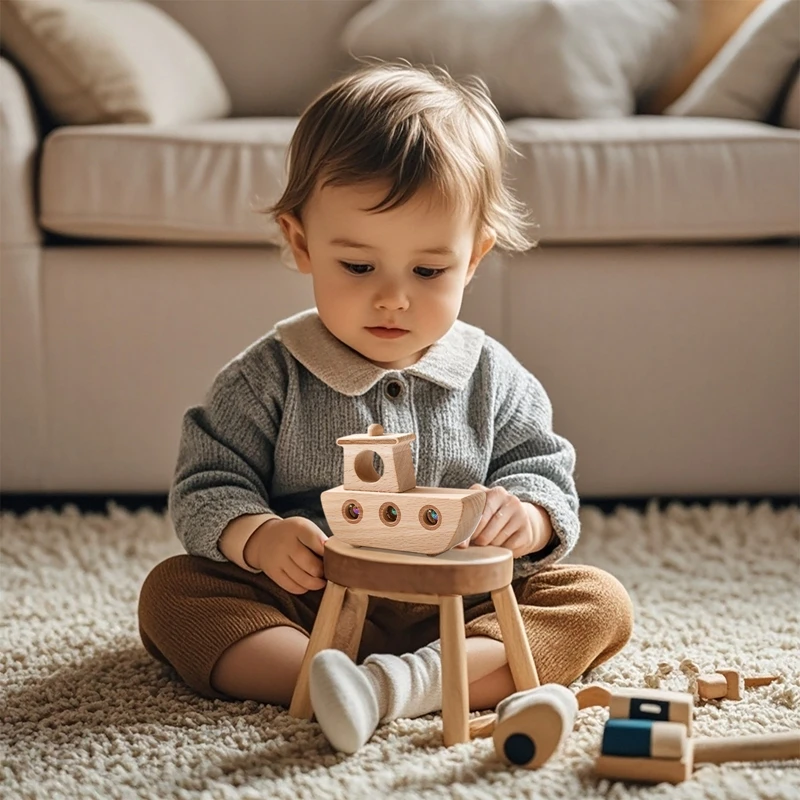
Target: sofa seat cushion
point(633, 179)
point(653, 178)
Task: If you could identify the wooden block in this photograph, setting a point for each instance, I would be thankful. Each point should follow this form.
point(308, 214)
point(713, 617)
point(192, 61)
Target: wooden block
point(734, 681)
point(638, 738)
point(393, 450)
point(593, 695)
point(421, 520)
point(645, 770)
point(712, 687)
point(532, 725)
point(652, 704)
point(727, 684)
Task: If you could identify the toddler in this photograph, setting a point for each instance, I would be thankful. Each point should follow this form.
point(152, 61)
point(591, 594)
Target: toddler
point(395, 193)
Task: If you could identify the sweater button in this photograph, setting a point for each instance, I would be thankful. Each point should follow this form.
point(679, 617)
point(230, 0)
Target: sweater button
point(394, 389)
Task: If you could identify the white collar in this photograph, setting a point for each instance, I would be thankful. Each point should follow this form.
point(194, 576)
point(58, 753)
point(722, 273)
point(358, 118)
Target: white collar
point(449, 362)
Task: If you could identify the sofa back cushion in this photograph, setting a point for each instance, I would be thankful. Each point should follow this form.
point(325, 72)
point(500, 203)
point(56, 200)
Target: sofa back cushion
point(540, 58)
point(274, 56)
point(745, 79)
point(111, 61)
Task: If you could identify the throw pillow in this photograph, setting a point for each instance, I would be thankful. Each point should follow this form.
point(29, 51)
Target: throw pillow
point(744, 79)
point(790, 115)
point(106, 61)
point(545, 58)
point(714, 22)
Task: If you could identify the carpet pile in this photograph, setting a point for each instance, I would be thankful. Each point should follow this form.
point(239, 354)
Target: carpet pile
point(87, 714)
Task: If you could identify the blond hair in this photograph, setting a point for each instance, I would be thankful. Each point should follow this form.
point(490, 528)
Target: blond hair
point(414, 128)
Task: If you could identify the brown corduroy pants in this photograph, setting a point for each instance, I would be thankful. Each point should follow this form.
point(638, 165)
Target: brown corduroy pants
point(192, 609)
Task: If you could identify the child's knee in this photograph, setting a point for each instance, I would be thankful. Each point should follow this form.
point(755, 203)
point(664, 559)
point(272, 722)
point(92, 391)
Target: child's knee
point(608, 603)
point(156, 596)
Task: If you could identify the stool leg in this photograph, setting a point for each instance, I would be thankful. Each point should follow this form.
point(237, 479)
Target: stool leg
point(351, 623)
point(455, 688)
point(321, 638)
point(518, 652)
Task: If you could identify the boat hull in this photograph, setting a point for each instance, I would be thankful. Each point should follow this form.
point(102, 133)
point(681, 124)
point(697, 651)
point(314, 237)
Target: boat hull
point(423, 520)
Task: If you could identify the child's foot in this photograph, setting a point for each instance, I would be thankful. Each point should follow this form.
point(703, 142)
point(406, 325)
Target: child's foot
point(344, 700)
point(349, 701)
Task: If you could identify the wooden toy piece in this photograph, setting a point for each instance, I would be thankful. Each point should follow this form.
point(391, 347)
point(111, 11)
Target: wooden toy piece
point(707, 750)
point(652, 704)
point(593, 695)
point(394, 451)
point(767, 747)
point(482, 727)
point(646, 738)
point(712, 687)
point(727, 684)
point(640, 738)
point(531, 725)
point(442, 580)
point(390, 511)
point(645, 770)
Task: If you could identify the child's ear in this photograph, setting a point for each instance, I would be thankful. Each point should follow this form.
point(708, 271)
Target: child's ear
point(482, 246)
point(295, 236)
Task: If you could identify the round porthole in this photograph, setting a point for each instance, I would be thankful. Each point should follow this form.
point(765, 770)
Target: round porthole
point(389, 514)
point(430, 517)
point(352, 511)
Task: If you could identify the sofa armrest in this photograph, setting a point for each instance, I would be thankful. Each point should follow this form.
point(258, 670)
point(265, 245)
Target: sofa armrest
point(19, 145)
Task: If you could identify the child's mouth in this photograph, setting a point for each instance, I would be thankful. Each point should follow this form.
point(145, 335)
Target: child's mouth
point(388, 333)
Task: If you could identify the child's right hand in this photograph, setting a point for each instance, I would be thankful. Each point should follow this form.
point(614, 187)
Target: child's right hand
point(290, 552)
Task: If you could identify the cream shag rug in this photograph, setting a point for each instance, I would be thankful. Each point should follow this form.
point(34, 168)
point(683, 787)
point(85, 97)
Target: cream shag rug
point(86, 713)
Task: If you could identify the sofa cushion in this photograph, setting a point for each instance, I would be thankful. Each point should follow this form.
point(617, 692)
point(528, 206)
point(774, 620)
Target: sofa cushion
point(275, 56)
point(713, 23)
point(631, 179)
point(745, 78)
point(541, 58)
point(111, 61)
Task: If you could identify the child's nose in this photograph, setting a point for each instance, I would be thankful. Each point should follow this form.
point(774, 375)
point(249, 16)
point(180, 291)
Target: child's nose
point(391, 297)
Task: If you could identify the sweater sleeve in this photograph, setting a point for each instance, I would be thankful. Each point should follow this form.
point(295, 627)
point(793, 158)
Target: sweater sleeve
point(530, 460)
point(225, 459)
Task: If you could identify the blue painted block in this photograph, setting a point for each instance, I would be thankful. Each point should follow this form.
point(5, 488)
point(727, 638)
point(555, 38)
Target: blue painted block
point(627, 737)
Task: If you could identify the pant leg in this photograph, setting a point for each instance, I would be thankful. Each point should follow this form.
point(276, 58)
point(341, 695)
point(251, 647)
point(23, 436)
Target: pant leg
point(576, 617)
point(192, 609)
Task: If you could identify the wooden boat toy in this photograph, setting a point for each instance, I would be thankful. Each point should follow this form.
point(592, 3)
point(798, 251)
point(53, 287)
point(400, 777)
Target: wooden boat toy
point(388, 510)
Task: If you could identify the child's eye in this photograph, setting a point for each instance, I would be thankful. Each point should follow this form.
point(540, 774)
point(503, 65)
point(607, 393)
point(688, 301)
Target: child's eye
point(356, 269)
point(429, 272)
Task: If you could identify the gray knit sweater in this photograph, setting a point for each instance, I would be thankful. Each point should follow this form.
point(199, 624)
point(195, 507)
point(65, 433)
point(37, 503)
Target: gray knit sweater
point(264, 441)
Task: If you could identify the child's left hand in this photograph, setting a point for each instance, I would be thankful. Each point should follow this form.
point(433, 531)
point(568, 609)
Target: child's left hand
point(509, 522)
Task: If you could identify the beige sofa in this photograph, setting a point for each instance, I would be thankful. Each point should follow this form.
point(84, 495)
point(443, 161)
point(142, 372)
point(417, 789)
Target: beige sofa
point(661, 310)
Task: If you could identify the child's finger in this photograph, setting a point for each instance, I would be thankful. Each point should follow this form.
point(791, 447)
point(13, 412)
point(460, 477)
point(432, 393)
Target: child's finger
point(299, 576)
point(497, 522)
point(494, 502)
point(313, 538)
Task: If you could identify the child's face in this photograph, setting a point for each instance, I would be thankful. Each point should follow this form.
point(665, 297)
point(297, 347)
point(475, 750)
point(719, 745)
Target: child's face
point(387, 284)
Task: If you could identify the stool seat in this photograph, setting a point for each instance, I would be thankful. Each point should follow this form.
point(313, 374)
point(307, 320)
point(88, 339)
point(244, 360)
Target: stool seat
point(472, 570)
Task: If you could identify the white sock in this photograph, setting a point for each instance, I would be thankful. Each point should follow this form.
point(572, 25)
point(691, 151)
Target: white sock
point(349, 701)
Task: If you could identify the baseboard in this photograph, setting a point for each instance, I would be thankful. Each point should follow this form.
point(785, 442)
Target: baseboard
point(19, 503)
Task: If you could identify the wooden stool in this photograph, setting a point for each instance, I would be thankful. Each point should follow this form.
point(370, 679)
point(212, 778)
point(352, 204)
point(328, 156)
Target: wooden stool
point(360, 572)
